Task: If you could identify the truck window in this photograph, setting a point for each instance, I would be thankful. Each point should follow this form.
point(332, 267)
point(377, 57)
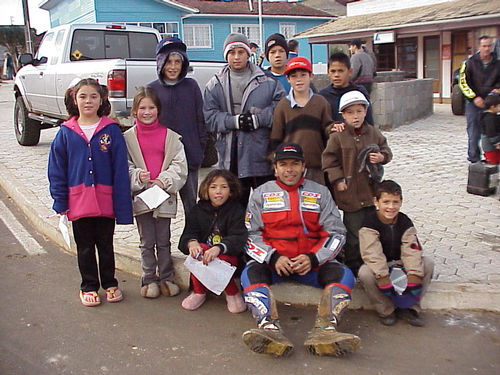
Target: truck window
point(100, 44)
point(46, 46)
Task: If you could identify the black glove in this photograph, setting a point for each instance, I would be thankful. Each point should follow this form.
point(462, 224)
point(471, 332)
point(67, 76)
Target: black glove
point(246, 122)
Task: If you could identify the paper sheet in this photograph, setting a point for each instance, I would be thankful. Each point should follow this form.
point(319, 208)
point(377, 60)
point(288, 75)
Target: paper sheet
point(153, 197)
point(215, 276)
point(63, 227)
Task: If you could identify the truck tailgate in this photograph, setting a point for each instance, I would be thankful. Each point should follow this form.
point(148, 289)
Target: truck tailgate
point(139, 73)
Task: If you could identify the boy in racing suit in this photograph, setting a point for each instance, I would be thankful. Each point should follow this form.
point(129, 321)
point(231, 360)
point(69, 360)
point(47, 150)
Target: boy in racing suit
point(295, 232)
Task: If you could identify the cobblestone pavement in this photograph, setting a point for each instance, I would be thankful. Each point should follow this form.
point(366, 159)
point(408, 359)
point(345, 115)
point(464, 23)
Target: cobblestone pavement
point(460, 230)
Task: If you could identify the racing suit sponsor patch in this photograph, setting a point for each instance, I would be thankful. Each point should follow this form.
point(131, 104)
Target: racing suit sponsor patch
point(248, 216)
point(310, 200)
point(273, 200)
point(256, 252)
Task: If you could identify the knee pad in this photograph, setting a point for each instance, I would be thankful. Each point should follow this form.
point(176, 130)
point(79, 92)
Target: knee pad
point(337, 273)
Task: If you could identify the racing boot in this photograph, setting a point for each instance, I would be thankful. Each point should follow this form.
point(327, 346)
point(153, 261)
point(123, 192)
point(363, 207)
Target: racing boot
point(324, 339)
point(267, 338)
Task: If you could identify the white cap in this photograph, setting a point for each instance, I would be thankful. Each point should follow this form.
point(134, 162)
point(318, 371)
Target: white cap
point(352, 97)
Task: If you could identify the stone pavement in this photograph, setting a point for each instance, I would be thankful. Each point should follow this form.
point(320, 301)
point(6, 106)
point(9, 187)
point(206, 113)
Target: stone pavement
point(459, 230)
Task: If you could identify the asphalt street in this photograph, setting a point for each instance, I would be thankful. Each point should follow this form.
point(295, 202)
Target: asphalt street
point(45, 330)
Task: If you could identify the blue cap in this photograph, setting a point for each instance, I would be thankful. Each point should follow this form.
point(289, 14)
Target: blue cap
point(170, 44)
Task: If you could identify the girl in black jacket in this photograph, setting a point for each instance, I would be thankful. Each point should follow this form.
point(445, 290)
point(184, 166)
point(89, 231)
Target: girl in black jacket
point(215, 227)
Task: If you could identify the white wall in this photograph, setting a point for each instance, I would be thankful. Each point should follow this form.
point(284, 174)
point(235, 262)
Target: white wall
point(375, 6)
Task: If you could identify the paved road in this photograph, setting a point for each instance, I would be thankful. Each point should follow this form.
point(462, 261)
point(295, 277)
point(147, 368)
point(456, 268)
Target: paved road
point(460, 230)
point(45, 330)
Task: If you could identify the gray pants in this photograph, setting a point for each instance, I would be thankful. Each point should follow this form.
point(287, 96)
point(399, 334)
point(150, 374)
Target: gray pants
point(380, 301)
point(189, 191)
point(155, 235)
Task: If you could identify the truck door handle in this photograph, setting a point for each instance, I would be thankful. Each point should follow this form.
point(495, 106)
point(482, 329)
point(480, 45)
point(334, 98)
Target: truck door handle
point(41, 74)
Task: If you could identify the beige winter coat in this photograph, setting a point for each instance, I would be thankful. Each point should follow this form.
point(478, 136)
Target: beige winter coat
point(173, 173)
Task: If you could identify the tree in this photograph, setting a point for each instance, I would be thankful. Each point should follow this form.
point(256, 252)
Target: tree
point(12, 38)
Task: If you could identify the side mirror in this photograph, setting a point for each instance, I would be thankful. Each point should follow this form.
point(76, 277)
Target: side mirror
point(41, 60)
point(25, 59)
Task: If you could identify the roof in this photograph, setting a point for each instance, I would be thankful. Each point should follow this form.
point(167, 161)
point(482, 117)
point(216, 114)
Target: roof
point(240, 8)
point(450, 11)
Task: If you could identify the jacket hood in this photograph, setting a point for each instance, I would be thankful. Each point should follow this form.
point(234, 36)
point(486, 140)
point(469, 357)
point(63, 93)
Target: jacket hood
point(163, 51)
point(72, 124)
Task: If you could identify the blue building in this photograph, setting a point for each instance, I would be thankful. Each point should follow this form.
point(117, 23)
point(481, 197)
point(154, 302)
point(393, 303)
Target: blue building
point(201, 24)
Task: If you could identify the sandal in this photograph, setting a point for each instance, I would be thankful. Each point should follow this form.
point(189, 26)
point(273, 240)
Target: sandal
point(113, 294)
point(89, 299)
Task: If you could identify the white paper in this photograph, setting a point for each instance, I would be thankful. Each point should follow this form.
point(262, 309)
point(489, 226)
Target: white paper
point(154, 196)
point(63, 227)
point(215, 276)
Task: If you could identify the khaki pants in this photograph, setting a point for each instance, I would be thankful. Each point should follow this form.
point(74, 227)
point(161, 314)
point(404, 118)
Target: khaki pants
point(383, 304)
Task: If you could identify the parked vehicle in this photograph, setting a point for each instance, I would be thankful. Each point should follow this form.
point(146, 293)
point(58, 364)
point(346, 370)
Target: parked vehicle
point(457, 98)
point(118, 56)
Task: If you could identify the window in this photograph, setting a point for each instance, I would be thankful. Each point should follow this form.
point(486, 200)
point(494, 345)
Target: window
point(46, 47)
point(198, 36)
point(166, 29)
point(407, 56)
point(385, 56)
point(250, 31)
point(100, 44)
point(288, 30)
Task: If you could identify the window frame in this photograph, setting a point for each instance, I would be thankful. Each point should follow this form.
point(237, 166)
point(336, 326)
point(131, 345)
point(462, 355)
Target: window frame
point(286, 24)
point(255, 40)
point(194, 26)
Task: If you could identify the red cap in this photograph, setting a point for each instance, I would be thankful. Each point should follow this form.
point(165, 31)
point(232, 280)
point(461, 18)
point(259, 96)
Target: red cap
point(298, 63)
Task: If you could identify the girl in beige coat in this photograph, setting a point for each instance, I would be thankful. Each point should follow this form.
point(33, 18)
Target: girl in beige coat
point(156, 158)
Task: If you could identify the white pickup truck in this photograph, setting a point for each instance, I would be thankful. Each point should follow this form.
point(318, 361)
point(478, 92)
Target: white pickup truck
point(120, 57)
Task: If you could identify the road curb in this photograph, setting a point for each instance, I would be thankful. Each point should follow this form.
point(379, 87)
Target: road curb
point(441, 295)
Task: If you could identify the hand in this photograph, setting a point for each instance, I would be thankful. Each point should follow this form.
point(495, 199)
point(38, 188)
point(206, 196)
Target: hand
point(157, 183)
point(414, 290)
point(246, 122)
point(301, 264)
point(144, 177)
point(211, 254)
point(195, 249)
point(478, 101)
point(376, 157)
point(337, 127)
point(341, 186)
point(283, 266)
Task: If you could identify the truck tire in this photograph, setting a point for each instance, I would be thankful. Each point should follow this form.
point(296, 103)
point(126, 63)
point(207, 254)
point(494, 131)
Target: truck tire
point(27, 130)
point(457, 101)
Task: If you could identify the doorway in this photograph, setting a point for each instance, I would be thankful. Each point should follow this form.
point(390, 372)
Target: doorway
point(431, 61)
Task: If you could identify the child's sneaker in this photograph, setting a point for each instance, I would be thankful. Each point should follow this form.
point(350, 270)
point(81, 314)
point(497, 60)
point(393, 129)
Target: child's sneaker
point(235, 303)
point(169, 288)
point(150, 290)
point(193, 301)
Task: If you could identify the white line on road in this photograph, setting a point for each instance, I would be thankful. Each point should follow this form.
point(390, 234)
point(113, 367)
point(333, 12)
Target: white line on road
point(31, 246)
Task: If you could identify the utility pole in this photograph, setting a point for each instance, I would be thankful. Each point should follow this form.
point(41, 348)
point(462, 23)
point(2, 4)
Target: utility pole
point(27, 27)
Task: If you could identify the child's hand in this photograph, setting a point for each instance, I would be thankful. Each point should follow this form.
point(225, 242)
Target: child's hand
point(497, 146)
point(478, 101)
point(194, 249)
point(144, 177)
point(337, 127)
point(376, 157)
point(157, 183)
point(341, 186)
point(211, 254)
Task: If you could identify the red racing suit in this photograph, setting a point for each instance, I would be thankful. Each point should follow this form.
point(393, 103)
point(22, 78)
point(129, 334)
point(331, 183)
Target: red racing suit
point(293, 220)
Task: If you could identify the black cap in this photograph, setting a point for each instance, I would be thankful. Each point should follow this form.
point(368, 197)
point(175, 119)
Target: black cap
point(288, 150)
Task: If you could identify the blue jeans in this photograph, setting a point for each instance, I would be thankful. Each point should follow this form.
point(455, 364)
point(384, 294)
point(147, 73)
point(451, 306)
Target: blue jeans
point(473, 131)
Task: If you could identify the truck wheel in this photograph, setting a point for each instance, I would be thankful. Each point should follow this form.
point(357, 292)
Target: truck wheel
point(27, 130)
point(457, 101)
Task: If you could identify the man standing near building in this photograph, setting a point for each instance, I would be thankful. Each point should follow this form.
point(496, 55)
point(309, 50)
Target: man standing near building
point(363, 68)
point(293, 49)
point(479, 75)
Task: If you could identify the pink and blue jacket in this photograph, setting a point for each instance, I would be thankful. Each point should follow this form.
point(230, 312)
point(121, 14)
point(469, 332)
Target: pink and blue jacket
point(90, 178)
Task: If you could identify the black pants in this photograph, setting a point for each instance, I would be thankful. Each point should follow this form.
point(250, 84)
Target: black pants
point(249, 183)
point(353, 222)
point(92, 232)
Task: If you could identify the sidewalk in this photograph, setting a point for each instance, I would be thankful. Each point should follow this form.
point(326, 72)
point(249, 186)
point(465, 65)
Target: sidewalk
point(461, 231)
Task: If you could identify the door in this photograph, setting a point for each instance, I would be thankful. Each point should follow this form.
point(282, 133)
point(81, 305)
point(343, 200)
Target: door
point(431, 61)
point(459, 49)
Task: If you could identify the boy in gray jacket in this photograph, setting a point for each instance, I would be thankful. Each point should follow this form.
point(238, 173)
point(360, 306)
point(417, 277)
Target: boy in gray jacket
point(238, 105)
